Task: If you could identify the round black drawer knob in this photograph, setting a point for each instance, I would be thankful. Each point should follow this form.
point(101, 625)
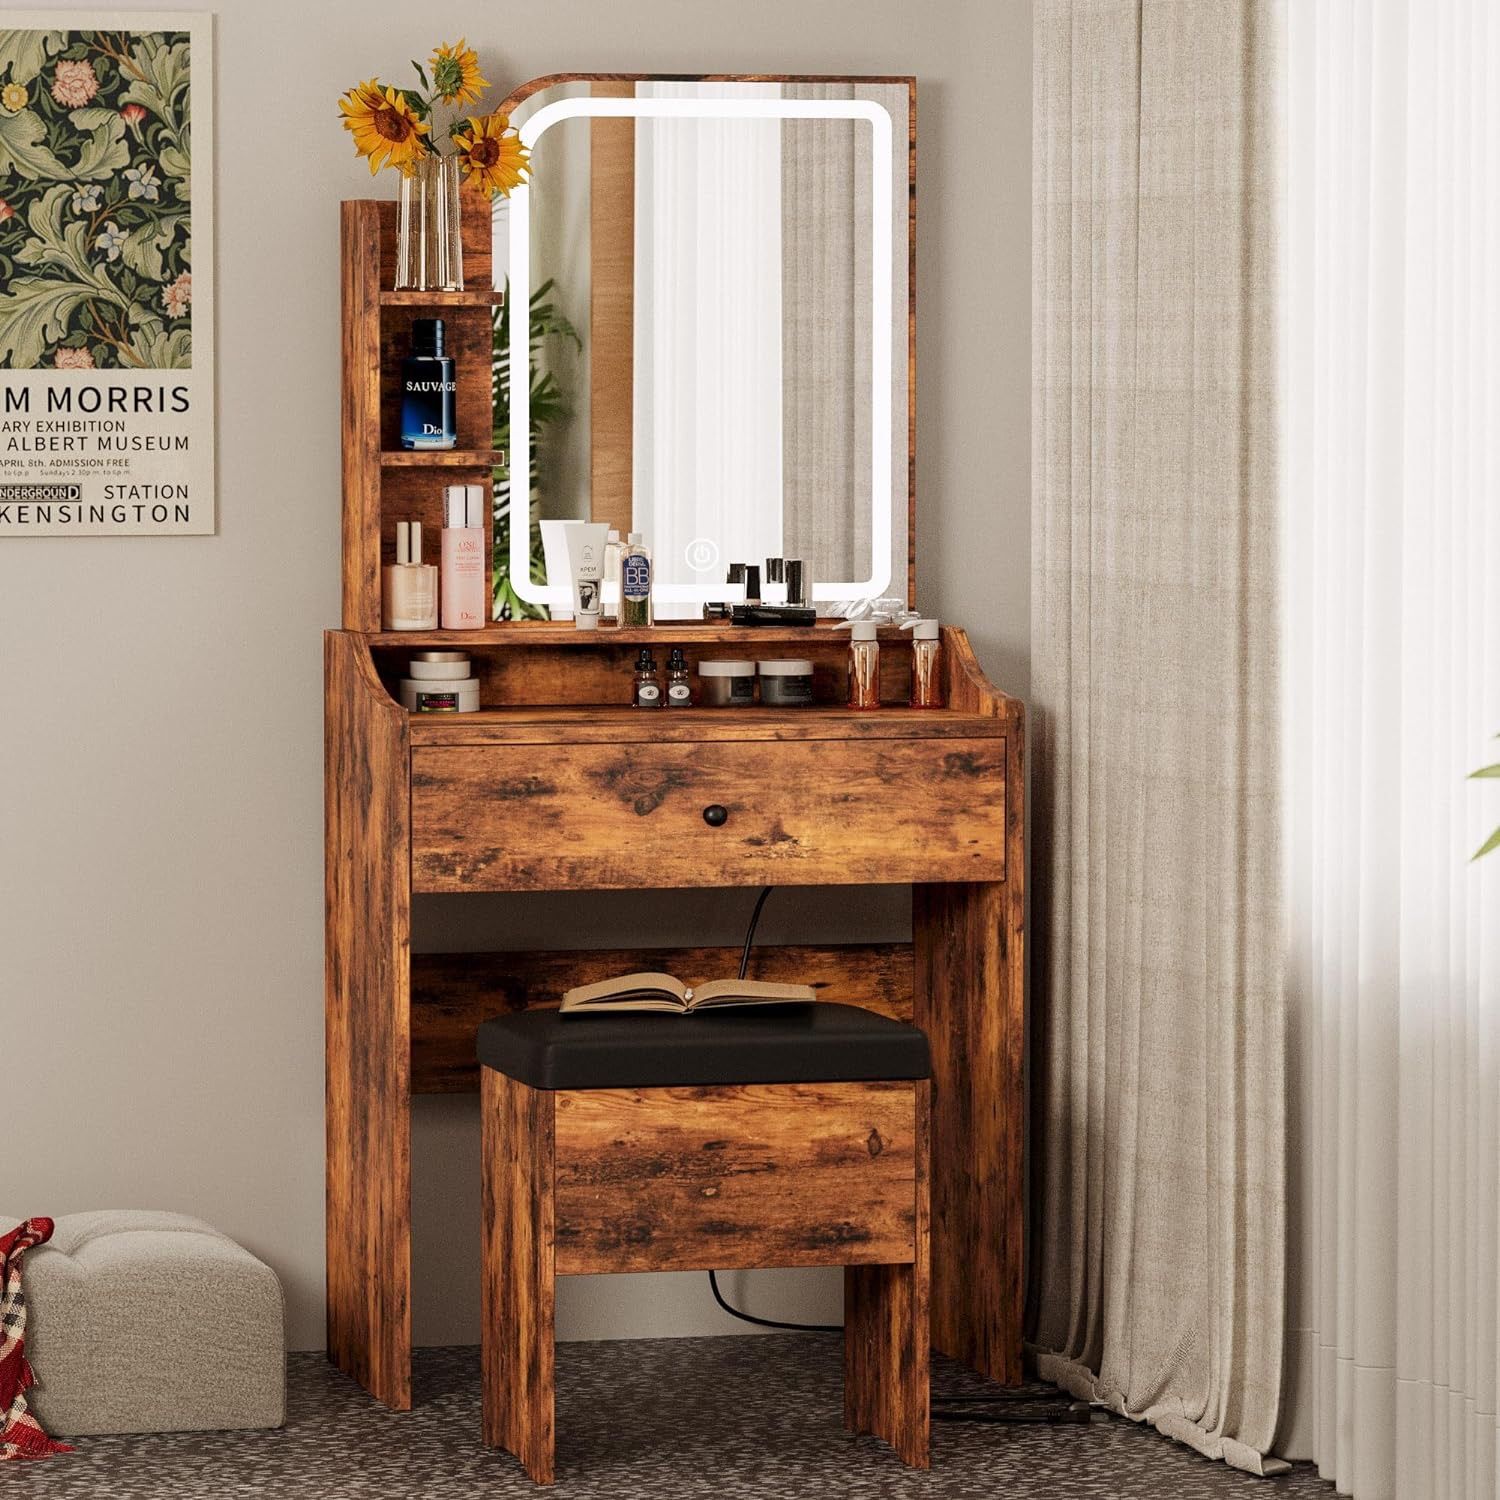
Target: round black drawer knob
point(716, 815)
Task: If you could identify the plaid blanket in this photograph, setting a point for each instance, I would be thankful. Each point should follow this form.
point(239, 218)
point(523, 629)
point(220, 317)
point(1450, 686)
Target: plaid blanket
point(21, 1435)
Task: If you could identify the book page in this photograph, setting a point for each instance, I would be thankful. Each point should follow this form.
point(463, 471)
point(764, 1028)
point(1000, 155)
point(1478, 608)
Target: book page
point(726, 992)
point(635, 989)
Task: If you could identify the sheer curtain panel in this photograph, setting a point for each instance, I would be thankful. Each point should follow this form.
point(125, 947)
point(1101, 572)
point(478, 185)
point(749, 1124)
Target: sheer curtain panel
point(1393, 689)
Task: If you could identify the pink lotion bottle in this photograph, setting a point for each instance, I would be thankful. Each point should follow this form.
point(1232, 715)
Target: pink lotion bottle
point(464, 592)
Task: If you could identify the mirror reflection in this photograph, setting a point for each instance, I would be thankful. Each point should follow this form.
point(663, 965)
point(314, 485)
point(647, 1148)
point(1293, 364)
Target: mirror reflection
point(716, 347)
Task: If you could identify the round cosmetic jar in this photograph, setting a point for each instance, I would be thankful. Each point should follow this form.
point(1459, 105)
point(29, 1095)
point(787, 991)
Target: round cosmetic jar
point(726, 684)
point(457, 695)
point(439, 666)
point(786, 684)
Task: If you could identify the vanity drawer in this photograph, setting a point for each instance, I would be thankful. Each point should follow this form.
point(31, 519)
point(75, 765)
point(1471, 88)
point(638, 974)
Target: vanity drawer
point(621, 815)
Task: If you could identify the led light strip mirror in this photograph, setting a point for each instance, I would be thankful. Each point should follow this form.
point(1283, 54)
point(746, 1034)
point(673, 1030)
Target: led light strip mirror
point(881, 310)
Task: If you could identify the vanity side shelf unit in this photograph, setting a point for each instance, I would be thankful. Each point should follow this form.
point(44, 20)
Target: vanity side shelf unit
point(557, 785)
point(384, 482)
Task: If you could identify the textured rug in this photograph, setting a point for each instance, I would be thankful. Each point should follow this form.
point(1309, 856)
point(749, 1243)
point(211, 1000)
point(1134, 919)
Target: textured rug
point(685, 1418)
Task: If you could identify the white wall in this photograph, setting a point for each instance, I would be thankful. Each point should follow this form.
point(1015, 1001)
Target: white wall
point(161, 761)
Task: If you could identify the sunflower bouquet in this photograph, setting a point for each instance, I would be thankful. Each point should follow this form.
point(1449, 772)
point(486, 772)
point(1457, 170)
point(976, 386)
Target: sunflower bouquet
point(394, 127)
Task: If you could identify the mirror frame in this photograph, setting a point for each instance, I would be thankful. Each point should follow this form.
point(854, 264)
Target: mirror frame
point(536, 85)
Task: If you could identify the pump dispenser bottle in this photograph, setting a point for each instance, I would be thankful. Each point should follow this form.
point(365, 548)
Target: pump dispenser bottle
point(864, 664)
point(926, 663)
point(464, 591)
point(611, 601)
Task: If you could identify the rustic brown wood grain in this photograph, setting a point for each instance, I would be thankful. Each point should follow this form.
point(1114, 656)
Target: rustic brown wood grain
point(522, 727)
point(443, 458)
point(469, 297)
point(618, 725)
point(520, 666)
point(612, 315)
point(468, 335)
point(383, 483)
point(359, 286)
point(971, 987)
point(612, 817)
point(517, 1336)
point(746, 1175)
point(367, 1016)
point(451, 993)
point(513, 633)
point(887, 1339)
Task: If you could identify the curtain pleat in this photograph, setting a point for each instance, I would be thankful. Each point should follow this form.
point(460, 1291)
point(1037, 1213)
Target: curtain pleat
point(1158, 1141)
point(1392, 649)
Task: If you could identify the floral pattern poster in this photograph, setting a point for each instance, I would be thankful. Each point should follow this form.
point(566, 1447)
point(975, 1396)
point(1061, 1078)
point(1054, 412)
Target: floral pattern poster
point(106, 273)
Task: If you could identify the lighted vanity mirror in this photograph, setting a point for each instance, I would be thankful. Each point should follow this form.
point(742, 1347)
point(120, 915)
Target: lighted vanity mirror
point(718, 274)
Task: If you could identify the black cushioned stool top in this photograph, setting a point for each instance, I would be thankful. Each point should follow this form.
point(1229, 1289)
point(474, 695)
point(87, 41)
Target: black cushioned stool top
point(815, 1043)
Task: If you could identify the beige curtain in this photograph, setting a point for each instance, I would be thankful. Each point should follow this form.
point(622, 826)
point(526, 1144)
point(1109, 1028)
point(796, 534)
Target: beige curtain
point(1158, 1252)
point(826, 265)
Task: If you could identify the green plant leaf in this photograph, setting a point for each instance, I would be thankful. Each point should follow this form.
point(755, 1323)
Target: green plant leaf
point(104, 153)
point(1487, 847)
point(33, 314)
point(143, 247)
point(1484, 771)
point(417, 104)
point(164, 75)
point(24, 53)
point(175, 162)
point(22, 150)
point(422, 74)
point(52, 244)
point(160, 349)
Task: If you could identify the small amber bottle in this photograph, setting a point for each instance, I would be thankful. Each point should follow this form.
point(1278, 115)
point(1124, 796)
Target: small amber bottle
point(926, 663)
point(864, 664)
point(679, 688)
point(647, 689)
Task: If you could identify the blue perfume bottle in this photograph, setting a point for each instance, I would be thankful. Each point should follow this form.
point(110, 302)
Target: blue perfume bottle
point(427, 389)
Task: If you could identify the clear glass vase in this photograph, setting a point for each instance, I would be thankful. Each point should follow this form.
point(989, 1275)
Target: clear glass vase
point(429, 245)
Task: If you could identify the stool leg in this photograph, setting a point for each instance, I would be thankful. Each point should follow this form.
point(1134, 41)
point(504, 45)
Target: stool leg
point(888, 1338)
point(518, 1279)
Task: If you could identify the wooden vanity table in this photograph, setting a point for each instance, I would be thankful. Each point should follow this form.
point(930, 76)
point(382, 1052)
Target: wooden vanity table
point(557, 785)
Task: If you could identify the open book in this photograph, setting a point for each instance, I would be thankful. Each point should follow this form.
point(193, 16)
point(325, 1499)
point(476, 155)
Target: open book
point(662, 992)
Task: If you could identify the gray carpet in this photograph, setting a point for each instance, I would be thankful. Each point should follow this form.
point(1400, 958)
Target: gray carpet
point(685, 1418)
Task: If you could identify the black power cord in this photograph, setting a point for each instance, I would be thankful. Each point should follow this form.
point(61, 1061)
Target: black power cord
point(1045, 1405)
point(713, 1276)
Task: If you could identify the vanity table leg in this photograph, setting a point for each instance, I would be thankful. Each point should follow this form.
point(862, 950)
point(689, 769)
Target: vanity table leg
point(367, 972)
point(887, 1342)
point(517, 1299)
point(969, 988)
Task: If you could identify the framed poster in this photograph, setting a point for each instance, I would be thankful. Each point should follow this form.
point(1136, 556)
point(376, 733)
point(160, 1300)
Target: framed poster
point(106, 273)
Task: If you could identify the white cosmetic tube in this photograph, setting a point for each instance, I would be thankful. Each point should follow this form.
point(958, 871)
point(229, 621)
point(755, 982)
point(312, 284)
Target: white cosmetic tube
point(586, 541)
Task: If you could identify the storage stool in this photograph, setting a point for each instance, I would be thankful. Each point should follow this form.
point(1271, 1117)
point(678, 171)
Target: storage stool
point(793, 1136)
point(140, 1321)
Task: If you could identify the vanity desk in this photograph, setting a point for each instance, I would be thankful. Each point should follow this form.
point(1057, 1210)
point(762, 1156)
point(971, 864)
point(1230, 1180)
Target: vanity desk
point(556, 784)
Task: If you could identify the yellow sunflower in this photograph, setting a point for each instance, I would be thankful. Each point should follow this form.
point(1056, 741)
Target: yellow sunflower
point(492, 154)
point(383, 126)
point(13, 96)
point(455, 73)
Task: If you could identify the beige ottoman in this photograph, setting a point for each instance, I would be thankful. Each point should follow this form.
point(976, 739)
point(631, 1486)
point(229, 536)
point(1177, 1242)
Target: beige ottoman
point(151, 1322)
